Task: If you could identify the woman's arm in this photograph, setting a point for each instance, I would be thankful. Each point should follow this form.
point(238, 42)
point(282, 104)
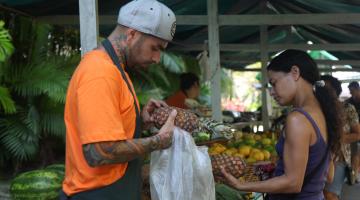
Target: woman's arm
point(331, 171)
point(296, 149)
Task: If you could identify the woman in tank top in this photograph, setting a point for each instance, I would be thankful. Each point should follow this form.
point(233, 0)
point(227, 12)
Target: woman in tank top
point(311, 132)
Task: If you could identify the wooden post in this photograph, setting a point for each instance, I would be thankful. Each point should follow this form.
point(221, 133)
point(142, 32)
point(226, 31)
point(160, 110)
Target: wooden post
point(264, 56)
point(214, 59)
point(89, 26)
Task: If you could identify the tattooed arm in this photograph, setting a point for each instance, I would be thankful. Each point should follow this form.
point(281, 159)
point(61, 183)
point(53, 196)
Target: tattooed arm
point(122, 151)
point(102, 153)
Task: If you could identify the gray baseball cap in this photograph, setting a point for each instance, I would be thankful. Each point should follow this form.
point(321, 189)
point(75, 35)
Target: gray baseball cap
point(150, 17)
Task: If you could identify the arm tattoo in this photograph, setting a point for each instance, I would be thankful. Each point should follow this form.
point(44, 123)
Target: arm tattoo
point(102, 153)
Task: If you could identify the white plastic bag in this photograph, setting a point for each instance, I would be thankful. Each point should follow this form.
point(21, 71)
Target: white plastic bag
point(181, 172)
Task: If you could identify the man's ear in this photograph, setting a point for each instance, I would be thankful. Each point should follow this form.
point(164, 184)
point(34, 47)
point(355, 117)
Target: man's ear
point(130, 34)
point(295, 72)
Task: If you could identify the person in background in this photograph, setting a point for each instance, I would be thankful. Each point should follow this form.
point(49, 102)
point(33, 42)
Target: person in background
point(351, 133)
point(354, 89)
point(355, 149)
point(189, 89)
point(311, 133)
point(104, 149)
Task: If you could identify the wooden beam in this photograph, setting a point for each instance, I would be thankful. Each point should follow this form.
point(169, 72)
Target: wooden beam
point(88, 25)
point(241, 60)
point(290, 19)
point(321, 70)
point(214, 59)
point(233, 20)
point(272, 47)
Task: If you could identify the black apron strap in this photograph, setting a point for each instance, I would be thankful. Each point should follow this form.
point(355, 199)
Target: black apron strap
point(110, 50)
point(127, 187)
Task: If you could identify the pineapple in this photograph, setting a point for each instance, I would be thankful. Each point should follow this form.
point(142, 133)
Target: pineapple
point(233, 165)
point(185, 119)
point(188, 121)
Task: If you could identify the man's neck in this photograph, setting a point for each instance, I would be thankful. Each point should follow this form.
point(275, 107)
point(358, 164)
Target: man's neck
point(119, 45)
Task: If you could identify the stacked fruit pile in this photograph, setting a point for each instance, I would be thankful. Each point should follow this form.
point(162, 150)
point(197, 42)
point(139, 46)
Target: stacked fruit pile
point(251, 147)
point(256, 150)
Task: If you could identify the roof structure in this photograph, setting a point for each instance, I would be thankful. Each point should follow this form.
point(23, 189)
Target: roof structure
point(235, 32)
point(190, 38)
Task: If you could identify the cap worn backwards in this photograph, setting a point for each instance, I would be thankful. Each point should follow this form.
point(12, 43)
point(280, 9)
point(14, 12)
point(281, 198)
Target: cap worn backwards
point(150, 17)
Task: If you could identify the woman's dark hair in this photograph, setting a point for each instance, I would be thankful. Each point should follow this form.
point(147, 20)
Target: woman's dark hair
point(334, 83)
point(187, 80)
point(330, 105)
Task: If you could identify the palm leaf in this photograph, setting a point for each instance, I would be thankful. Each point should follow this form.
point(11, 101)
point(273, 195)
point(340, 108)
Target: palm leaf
point(172, 62)
point(6, 101)
point(44, 78)
point(18, 139)
point(52, 118)
point(33, 120)
point(53, 124)
point(160, 76)
point(6, 47)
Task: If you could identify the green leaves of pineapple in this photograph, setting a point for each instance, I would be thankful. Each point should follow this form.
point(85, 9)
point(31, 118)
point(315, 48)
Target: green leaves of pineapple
point(6, 47)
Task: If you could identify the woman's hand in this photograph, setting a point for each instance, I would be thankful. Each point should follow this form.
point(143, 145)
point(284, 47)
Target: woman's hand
point(230, 179)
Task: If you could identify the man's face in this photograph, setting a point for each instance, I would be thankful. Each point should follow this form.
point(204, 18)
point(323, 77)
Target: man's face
point(355, 93)
point(145, 50)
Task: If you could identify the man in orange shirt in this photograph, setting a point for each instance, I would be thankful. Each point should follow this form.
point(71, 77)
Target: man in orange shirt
point(189, 89)
point(102, 115)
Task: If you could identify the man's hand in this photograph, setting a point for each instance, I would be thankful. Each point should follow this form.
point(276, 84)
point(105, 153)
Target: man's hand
point(149, 108)
point(165, 135)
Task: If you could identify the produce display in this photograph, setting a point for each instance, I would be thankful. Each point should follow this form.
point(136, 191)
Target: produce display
point(251, 147)
point(201, 128)
point(247, 156)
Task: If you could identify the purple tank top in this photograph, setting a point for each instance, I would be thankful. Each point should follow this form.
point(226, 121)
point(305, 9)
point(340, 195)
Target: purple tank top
point(313, 188)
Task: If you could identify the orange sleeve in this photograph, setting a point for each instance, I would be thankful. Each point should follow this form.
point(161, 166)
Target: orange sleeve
point(99, 117)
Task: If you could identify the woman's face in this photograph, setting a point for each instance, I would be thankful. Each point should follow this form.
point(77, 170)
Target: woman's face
point(282, 87)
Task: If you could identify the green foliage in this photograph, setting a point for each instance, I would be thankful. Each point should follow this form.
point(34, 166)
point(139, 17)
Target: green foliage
point(226, 83)
point(42, 78)
point(172, 62)
point(17, 136)
point(6, 101)
point(33, 80)
point(160, 80)
point(6, 47)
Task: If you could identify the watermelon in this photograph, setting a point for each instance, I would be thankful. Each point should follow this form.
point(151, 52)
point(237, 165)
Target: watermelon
point(36, 185)
point(59, 168)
